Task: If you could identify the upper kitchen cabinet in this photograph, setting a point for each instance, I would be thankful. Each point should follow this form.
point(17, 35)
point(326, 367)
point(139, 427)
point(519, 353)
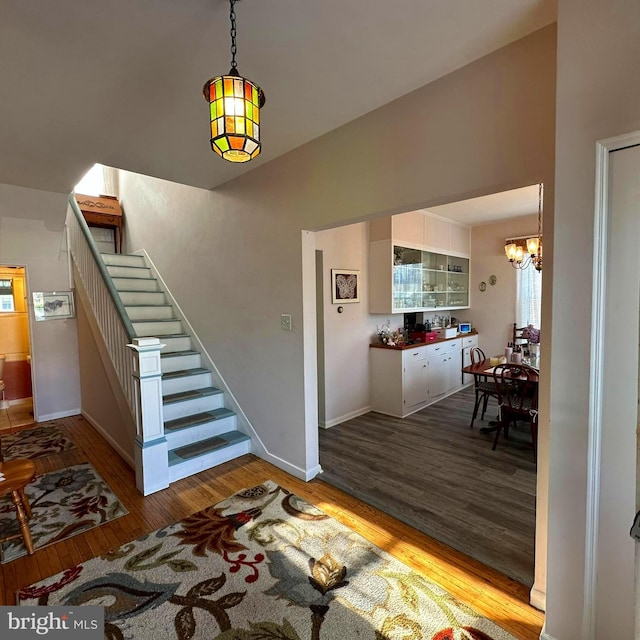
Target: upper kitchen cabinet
point(418, 262)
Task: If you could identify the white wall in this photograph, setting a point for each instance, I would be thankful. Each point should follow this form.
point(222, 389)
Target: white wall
point(347, 335)
point(493, 311)
point(32, 234)
point(598, 97)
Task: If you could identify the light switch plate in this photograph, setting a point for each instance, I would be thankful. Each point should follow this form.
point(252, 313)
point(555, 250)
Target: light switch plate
point(285, 322)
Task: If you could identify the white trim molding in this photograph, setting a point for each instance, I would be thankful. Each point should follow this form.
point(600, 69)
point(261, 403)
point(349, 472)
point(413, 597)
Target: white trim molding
point(347, 416)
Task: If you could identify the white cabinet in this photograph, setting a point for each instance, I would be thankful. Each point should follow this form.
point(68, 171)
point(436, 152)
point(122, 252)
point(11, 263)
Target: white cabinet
point(404, 381)
point(444, 364)
point(414, 385)
point(418, 261)
point(405, 279)
point(398, 380)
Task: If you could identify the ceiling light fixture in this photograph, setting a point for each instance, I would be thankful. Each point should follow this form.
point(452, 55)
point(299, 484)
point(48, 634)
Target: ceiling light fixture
point(523, 253)
point(234, 105)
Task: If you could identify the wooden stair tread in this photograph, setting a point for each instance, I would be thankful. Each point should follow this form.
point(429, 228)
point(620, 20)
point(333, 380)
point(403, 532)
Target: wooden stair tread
point(198, 419)
point(184, 373)
point(203, 447)
point(177, 354)
point(190, 395)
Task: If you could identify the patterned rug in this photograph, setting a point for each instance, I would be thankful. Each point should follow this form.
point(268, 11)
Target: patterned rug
point(35, 443)
point(64, 503)
point(262, 565)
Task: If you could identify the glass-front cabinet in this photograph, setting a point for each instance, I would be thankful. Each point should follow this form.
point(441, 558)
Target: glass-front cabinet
point(428, 280)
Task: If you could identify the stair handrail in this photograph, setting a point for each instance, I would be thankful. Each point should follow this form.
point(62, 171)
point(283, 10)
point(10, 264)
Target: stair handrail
point(84, 227)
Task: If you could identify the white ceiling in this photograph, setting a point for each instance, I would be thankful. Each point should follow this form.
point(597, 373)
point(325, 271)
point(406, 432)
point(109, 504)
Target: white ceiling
point(491, 208)
point(120, 81)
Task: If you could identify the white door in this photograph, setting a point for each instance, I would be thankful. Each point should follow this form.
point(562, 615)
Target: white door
point(613, 442)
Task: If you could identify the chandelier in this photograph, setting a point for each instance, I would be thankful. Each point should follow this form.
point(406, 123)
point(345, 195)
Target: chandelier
point(524, 252)
point(234, 106)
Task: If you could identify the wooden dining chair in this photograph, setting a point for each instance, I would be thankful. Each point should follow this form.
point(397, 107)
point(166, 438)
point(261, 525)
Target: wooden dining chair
point(17, 475)
point(483, 386)
point(516, 386)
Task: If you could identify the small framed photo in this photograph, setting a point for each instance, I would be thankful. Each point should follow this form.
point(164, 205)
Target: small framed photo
point(53, 305)
point(345, 286)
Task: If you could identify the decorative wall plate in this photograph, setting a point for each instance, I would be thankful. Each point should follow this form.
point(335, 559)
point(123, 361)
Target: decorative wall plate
point(482, 286)
point(492, 280)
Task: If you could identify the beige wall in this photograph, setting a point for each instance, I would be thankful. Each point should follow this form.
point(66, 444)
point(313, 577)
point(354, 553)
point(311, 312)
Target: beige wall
point(32, 235)
point(233, 257)
point(347, 335)
point(493, 311)
point(598, 97)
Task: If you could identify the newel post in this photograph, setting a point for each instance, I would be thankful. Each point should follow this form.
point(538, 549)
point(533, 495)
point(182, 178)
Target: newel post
point(151, 455)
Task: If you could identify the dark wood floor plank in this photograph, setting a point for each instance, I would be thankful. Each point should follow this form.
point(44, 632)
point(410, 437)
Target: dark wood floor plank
point(432, 471)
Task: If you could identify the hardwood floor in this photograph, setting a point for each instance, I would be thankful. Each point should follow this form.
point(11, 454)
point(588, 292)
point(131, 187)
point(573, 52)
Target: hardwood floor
point(487, 591)
point(433, 472)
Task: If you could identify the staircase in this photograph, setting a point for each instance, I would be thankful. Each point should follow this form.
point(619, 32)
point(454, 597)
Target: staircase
point(200, 432)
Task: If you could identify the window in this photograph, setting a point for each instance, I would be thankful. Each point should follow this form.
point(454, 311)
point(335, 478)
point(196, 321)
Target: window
point(6, 296)
point(528, 297)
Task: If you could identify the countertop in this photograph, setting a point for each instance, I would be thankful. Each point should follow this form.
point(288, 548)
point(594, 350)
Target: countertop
point(402, 347)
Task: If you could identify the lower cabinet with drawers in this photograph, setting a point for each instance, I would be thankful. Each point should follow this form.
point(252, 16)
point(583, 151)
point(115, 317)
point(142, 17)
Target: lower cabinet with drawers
point(406, 380)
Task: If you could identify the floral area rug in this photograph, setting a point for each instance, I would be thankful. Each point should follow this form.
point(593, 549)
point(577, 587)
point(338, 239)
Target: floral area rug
point(63, 503)
point(262, 565)
point(35, 443)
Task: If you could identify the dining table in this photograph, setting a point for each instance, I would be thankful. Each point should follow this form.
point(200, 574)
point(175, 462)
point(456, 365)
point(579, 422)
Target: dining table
point(486, 369)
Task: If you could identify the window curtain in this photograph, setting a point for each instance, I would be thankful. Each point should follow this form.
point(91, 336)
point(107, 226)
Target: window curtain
point(528, 297)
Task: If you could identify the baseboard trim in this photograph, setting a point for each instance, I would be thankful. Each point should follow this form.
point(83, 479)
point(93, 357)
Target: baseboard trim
point(109, 438)
point(297, 472)
point(347, 416)
point(58, 414)
point(538, 599)
point(546, 636)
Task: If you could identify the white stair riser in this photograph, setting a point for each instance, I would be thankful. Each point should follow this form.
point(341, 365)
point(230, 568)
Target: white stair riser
point(142, 297)
point(180, 363)
point(157, 328)
point(116, 271)
point(149, 313)
point(182, 343)
point(182, 437)
point(189, 407)
point(123, 260)
point(134, 284)
point(185, 383)
point(201, 463)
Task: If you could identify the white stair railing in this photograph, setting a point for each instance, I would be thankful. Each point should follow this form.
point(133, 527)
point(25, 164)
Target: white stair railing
point(115, 326)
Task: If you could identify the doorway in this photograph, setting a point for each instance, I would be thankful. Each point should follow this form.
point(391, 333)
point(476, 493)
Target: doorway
point(16, 395)
point(347, 336)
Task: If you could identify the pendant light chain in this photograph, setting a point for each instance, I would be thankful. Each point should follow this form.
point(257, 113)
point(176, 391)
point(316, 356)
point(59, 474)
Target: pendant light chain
point(232, 17)
point(539, 210)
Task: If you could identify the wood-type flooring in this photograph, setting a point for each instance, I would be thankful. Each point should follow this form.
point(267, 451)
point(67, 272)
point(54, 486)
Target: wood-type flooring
point(432, 471)
point(490, 593)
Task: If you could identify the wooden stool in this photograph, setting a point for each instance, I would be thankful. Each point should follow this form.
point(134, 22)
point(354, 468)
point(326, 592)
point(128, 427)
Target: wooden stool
point(17, 475)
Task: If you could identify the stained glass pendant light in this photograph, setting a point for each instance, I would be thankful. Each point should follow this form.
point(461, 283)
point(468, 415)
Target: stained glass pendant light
point(234, 105)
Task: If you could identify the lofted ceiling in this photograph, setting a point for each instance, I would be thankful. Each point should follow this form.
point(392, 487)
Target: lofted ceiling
point(120, 82)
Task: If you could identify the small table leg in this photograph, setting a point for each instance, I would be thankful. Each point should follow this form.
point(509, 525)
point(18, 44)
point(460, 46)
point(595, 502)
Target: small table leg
point(22, 519)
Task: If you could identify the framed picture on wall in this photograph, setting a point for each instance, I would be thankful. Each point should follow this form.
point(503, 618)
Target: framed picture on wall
point(345, 286)
point(53, 305)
